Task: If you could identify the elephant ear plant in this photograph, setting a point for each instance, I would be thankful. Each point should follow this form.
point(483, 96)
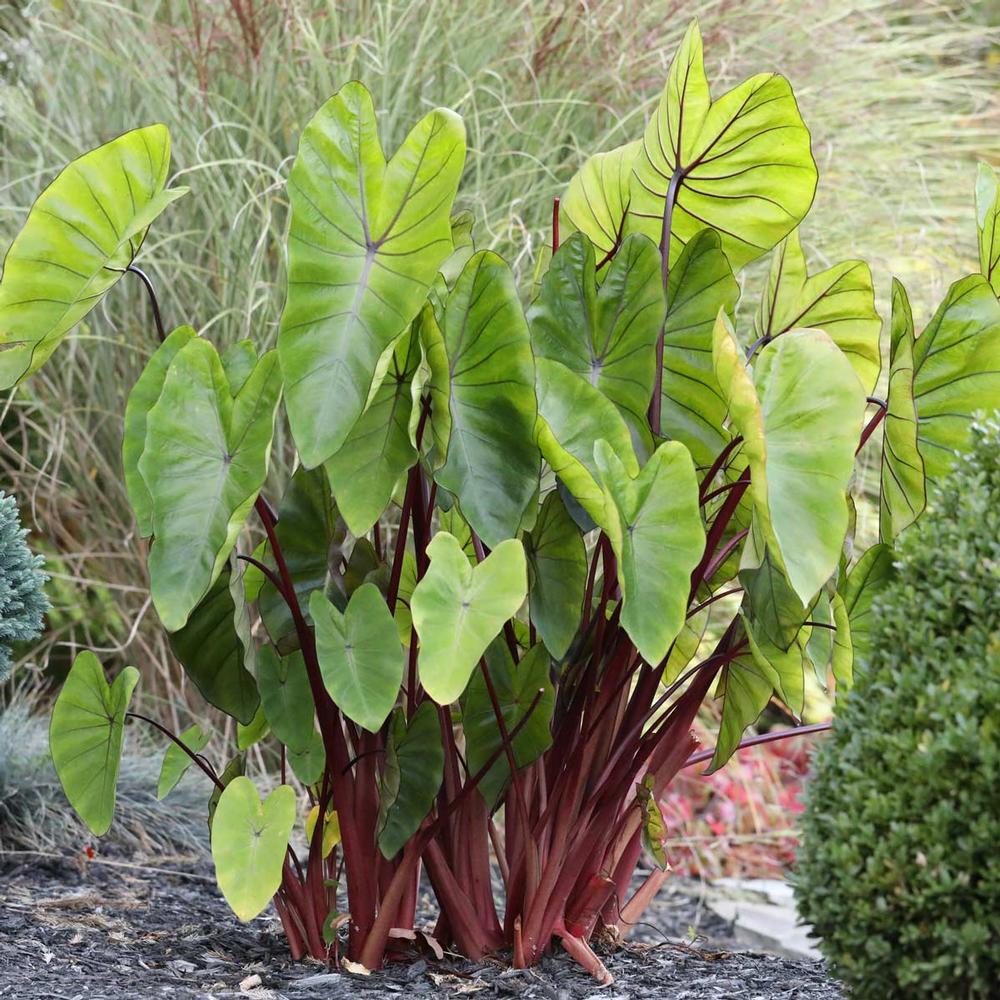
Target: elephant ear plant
point(523, 544)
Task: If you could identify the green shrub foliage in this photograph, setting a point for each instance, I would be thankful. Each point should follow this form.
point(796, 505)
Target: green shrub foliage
point(899, 872)
point(22, 602)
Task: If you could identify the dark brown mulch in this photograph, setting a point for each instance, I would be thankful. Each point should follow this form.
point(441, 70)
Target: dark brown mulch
point(127, 932)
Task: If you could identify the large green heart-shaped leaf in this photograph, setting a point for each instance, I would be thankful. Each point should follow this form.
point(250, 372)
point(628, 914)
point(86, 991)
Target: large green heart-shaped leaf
point(859, 589)
point(988, 224)
point(557, 567)
point(741, 165)
point(800, 418)
point(458, 609)
point(414, 768)
point(904, 493)
point(365, 241)
point(490, 461)
point(216, 650)
point(204, 461)
point(516, 686)
point(359, 655)
point(597, 197)
point(840, 301)
point(176, 762)
point(312, 537)
point(84, 229)
point(249, 842)
point(86, 735)
point(606, 335)
point(572, 415)
point(286, 697)
point(654, 524)
point(141, 400)
point(956, 364)
point(693, 410)
point(377, 452)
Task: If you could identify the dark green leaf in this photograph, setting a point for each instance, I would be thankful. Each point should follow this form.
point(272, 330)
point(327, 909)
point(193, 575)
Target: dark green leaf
point(557, 568)
point(490, 461)
point(308, 764)
point(216, 650)
point(311, 536)
point(606, 335)
point(414, 768)
point(286, 697)
point(516, 687)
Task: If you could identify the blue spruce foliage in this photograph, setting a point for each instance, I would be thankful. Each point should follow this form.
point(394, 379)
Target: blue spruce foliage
point(22, 601)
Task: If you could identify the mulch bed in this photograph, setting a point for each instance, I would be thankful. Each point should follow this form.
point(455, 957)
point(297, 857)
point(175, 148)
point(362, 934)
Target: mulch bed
point(125, 931)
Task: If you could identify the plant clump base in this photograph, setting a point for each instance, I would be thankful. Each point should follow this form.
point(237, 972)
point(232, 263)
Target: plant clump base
point(178, 939)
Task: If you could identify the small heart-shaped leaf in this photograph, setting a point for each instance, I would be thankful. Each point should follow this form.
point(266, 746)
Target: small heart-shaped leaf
point(360, 655)
point(86, 735)
point(458, 609)
point(249, 841)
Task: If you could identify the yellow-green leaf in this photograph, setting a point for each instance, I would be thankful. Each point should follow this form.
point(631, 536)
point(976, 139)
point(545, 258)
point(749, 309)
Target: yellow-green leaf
point(840, 301)
point(800, 418)
point(86, 735)
point(741, 165)
point(459, 608)
point(597, 197)
point(249, 841)
point(654, 524)
point(82, 232)
point(904, 494)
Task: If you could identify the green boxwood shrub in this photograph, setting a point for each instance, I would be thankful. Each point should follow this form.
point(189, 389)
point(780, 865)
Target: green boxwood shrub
point(899, 871)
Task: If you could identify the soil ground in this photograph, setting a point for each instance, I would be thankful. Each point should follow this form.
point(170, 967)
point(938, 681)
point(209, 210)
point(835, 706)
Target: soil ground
point(125, 931)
